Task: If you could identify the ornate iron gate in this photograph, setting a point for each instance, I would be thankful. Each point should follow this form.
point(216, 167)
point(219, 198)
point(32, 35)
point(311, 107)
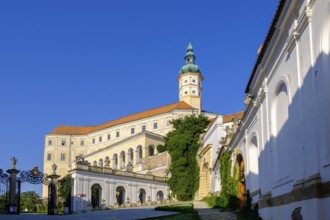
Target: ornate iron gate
point(34, 176)
point(4, 192)
point(10, 188)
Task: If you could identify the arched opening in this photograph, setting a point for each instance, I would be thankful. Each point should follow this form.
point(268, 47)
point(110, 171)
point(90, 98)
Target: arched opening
point(115, 161)
point(160, 196)
point(130, 155)
point(96, 195)
point(151, 150)
point(142, 196)
point(100, 162)
point(138, 154)
point(253, 164)
point(282, 134)
point(204, 177)
point(122, 160)
point(239, 166)
point(120, 195)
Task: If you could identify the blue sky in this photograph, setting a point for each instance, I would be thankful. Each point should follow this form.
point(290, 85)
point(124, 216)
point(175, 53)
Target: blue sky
point(88, 62)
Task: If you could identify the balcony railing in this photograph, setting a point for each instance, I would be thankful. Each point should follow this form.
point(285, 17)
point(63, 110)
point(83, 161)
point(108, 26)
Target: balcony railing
point(108, 170)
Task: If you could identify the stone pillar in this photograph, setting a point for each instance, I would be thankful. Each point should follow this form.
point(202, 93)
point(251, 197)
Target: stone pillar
point(13, 209)
point(112, 194)
point(107, 192)
point(145, 152)
point(137, 157)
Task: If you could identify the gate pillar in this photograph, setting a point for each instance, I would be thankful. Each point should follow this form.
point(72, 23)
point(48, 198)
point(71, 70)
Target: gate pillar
point(13, 206)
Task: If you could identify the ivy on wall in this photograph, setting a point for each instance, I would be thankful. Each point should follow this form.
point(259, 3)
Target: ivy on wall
point(182, 144)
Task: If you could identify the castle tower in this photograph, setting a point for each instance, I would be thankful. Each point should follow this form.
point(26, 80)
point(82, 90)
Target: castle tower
point(190, 81)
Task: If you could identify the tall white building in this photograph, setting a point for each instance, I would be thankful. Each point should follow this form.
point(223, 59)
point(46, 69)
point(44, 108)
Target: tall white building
point(283, 142)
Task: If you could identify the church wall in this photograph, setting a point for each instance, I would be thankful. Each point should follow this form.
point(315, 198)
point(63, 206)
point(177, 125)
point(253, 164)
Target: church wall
point(290, 101)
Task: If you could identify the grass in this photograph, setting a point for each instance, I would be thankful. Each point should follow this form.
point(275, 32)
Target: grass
point(186, 212)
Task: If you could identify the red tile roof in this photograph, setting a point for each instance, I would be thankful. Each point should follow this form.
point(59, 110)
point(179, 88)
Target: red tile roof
point(228, 118)
point(81, 130)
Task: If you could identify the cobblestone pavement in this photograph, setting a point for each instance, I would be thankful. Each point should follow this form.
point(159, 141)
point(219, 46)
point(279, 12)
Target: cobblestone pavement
point(207, 213)
point(117, 214)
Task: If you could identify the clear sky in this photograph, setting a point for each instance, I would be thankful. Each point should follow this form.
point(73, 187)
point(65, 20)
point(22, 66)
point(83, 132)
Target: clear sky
point(84, 62)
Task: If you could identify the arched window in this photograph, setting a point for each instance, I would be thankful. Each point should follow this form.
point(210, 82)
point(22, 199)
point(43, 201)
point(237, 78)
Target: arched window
point(151, 150)
point(100, 162)
point(94, 163)
point(281, 132)
point(130, 155)
point(253, 164)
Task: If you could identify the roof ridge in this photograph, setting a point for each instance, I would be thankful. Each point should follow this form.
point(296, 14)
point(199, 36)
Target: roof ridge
point(65, 129)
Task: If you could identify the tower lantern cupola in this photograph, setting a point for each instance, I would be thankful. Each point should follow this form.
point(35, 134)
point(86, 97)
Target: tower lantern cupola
point(190, 81)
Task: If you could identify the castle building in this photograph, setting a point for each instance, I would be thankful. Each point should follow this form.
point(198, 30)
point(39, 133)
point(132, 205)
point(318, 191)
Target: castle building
point(130, 140)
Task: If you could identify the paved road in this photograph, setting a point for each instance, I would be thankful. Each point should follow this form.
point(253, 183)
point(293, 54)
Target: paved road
point(207, 213)
point(118, 214)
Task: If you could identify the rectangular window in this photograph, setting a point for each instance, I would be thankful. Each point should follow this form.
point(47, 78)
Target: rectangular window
point(82, 142)
point(62, 157)
point(117, 134)
point(132, 130)
point(49, 156)
point(143, 128)
point(63, 142)
point(100, 139)
point(93, 141)
point(109, 136)
point(155, 125)
point(168, 123)
point(50, 142)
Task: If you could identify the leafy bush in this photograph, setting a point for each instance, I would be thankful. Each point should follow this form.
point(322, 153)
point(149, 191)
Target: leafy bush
point(161, 148)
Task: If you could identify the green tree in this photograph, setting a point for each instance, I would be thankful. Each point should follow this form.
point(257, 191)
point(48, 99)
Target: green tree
point(30, 201)
point(64, 189)
point(182, 145)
